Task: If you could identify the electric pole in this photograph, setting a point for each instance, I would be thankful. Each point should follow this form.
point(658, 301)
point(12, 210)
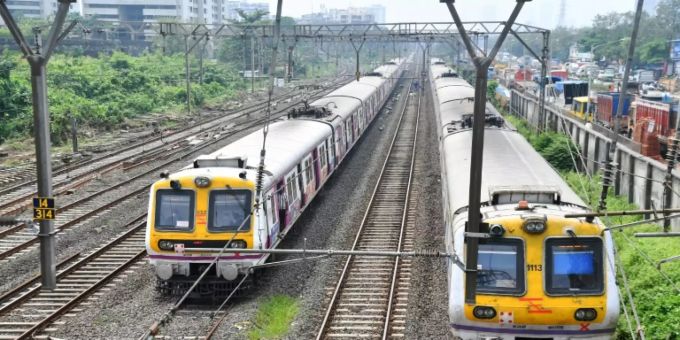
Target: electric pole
point(37, 59)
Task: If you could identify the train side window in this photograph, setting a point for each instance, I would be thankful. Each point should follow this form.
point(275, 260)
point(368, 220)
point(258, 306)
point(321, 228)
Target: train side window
point(574, 266)
point(175, 210)
point(501, 263)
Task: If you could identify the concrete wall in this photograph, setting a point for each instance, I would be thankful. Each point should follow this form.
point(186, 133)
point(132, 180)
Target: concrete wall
point(638, 177)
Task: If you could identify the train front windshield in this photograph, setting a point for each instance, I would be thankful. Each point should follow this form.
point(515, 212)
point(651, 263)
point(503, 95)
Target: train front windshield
point(501, 266)
point(174, 210)
point(229, 210)
point(575, 266)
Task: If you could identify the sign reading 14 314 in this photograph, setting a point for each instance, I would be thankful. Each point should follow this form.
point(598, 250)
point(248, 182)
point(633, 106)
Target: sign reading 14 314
point(43, 208)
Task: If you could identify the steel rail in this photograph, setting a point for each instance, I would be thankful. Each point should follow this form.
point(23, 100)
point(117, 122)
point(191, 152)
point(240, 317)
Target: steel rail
point(374, 200)
point(33, 280)
point(397, 260)
point(139, 224)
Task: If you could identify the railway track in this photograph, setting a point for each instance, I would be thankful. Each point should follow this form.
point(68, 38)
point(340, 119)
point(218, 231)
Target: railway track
point(370, 297)
point(17, 240)
point(28, 310)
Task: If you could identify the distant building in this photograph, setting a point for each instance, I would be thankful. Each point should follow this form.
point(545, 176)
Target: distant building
point(36, 9)
point(201, 11)
point(352, 15)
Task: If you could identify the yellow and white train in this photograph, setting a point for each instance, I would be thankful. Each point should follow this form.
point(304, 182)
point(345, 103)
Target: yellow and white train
point(540, 275)
point(193, 213)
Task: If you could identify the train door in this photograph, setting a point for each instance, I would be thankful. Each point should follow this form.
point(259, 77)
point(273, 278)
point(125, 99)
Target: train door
point(271, 211)
point(331, 154)
point(308, 181)
point(339, 143)
point(293, 195)
point(360, 122)
point(348, 133)
point(282, 204)
point(320, 166)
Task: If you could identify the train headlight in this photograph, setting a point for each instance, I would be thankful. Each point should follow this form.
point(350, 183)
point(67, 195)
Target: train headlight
point(585, 314)
point(202, 181)
point(166, 245)
point(237, 244)
point(534, 225)
point(496, 230)
point(483, 312)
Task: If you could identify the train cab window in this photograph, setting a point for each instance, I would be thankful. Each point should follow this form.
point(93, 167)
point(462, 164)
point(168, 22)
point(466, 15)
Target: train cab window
point(228, 209)
point(501, 266)
point(175, 210)
point(574, 266)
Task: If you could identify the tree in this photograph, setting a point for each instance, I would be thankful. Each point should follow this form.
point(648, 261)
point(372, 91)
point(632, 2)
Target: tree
point(252, 17)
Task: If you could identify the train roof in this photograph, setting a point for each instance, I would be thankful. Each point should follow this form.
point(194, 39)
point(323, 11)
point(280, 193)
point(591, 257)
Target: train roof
point(509, 163)
point(287, 142)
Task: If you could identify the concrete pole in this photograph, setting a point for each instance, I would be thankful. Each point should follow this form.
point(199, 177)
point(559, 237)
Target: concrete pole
point(37, 61)
point(187, 73)
point(41, 120)
point(252, 64)
point(545, 62)
point(607, 175)
point(74, 134)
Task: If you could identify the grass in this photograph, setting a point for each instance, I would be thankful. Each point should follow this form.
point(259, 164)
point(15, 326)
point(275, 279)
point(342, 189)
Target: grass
point(274, 317)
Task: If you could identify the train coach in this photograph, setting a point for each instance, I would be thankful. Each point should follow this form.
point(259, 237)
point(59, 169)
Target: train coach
point(540, 275)
point(195, 212)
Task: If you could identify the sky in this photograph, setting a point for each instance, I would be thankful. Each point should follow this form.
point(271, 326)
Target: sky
point(543, 13)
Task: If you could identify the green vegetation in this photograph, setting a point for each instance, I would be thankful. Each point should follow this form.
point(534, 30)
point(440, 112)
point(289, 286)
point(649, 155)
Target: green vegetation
point(657, 300)
point(102, 92)
point(274, 317)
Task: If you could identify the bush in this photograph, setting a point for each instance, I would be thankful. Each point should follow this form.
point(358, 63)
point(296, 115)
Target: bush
point(102, 92)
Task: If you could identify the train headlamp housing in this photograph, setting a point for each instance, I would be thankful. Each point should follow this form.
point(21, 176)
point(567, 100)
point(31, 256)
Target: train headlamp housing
point(534, 224)
point(496, 230)
point(166, 245)
point(585, 314)
point(202, 181)
point(175, 184)
point(484, 312)
point(237, 244)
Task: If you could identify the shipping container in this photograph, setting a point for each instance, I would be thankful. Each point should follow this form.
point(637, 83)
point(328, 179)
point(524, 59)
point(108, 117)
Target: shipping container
point(523, 74)
point(659, 113)
point(607, 106)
